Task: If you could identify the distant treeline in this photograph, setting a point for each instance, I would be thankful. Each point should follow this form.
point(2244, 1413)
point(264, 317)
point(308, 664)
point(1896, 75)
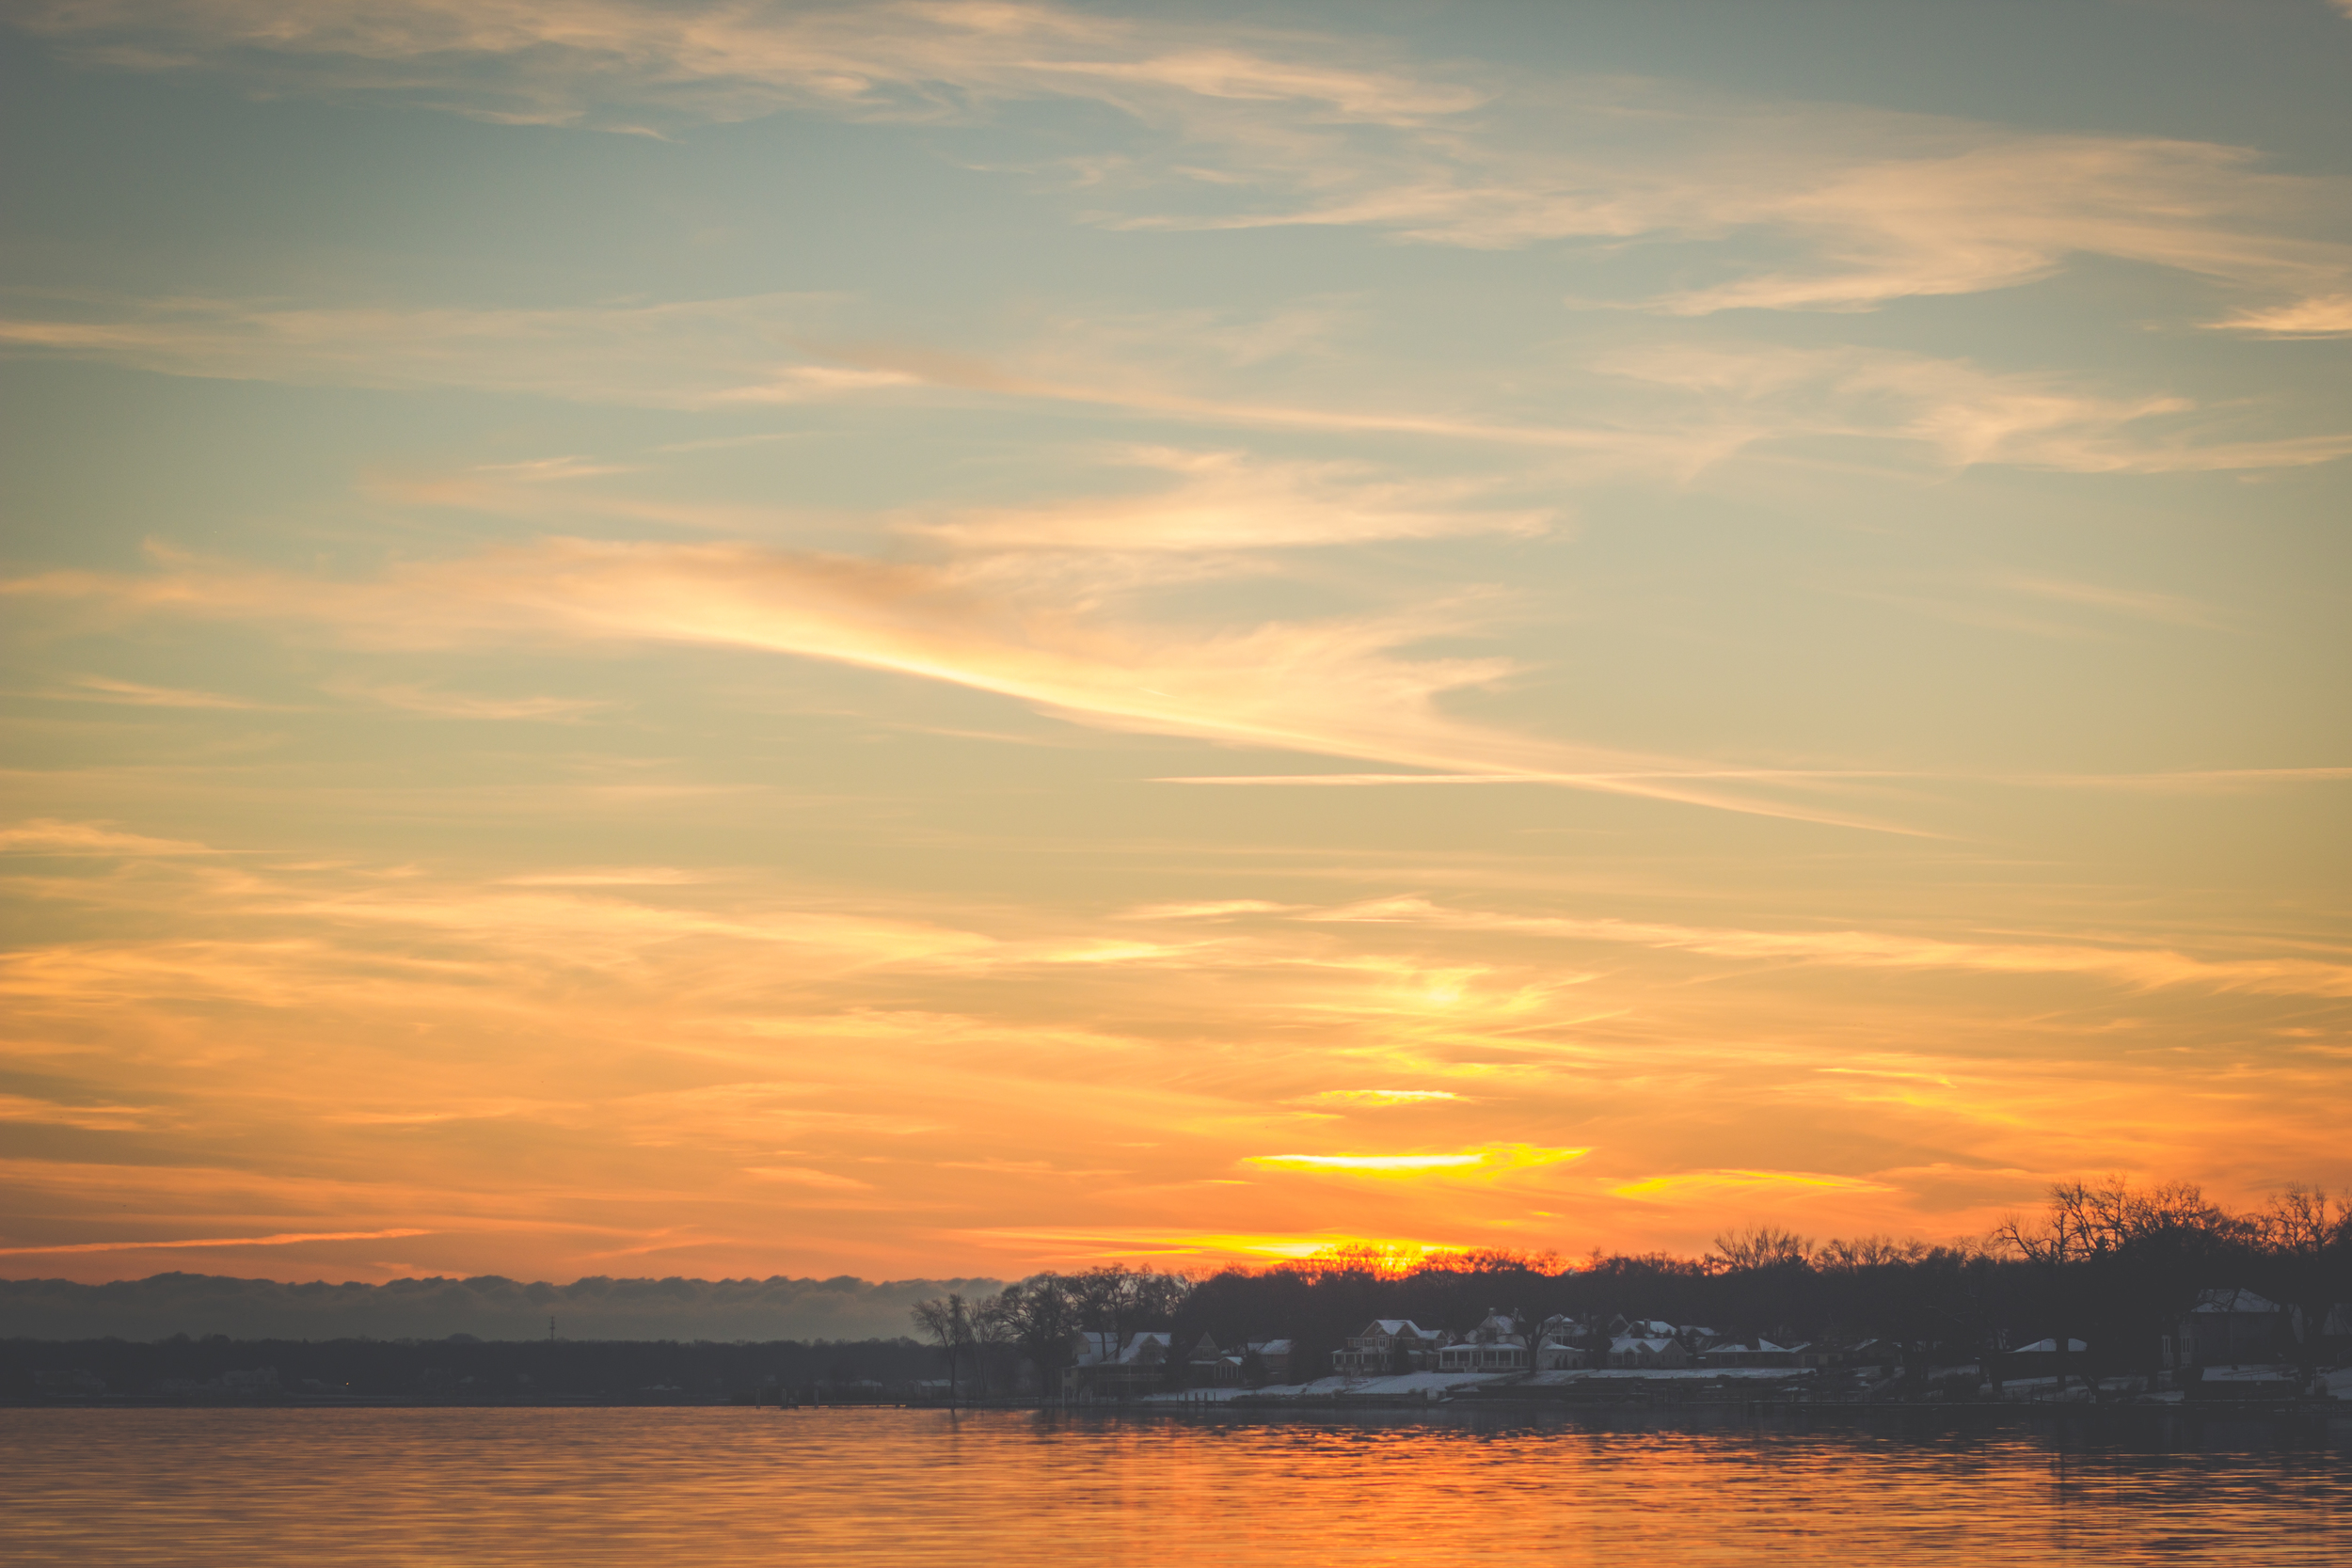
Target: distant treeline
point(2109, 1264)
point(218, 1368)
point(486, 1307)
point(2112, 1264)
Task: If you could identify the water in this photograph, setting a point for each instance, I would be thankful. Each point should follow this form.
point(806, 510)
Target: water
point(722, 1487)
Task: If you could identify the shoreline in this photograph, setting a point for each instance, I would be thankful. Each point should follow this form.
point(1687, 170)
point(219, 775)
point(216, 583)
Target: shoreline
point(2273, 1409)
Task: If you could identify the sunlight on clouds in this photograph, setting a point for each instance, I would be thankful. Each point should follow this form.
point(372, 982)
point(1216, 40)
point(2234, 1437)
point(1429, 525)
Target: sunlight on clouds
point(1225, 502)
point(51, 836)
point(1494, 1160)
point(2137, 967)
point(803, 1176)
point(289, 1240)
point(1333, 686)
point(1210, 909)
point(2319, 316)
point(1965, 414)
point(1210, 1248)
point(1379, 1097)
point(612, 689)
point(1720, 1183)
point(723, 1042)
point(682, 355)
point(1319, 130)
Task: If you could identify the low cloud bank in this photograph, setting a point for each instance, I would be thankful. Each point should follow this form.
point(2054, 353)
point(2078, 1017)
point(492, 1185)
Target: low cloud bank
point(488, 1308)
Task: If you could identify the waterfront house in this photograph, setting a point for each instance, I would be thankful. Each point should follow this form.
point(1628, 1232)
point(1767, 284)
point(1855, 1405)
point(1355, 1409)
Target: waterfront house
point(1386, 1345)
point(1758, 1352)
point(1561, 1355)
point(1496, 1345)
point(1209, 1366)
point(1642, 1328)
point(1107, 1369)
point(1659, 1353)
point(1274, 1355)
point(2229, 1328)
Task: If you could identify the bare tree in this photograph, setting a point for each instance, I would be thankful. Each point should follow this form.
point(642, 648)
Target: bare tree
point(2306, 1240)
point(2067, 1235)
point(2142, 1250)
point(944, 1318)
point(1044, 1313)
point(1867, 1252)
point(1762, 1246)
point(993, 1328)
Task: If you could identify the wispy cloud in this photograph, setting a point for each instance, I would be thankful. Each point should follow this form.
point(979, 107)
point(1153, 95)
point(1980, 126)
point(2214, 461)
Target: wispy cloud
point(1964, 414)
point(1720, 1185)
point(1380, 1097)
point(684, 354)
point(1210, 909)
point(458, 705)
point(1486, 1161)
point(53, 836)
point(805, 1176)
point(102, 689)
point(2319, 316)
point(89, 1118)
point(282, 1239)
point(1226, 501)
point(611, 64)
point(1313, 129)
point(1703, 405)
point(1336, 686)
point(2138, 967)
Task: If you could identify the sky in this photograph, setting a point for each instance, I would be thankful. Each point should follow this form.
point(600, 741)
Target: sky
point(949, 639)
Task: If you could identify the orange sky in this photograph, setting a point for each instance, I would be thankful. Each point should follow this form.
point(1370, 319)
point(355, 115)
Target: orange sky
point(953, 639)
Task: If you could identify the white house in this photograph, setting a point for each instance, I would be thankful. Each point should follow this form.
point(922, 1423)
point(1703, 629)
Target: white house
point(1275, 1355)
point(1628, 1350)
point(1560, 1355)
point(1388, 1345)
point(1496, 1345)
point(2227, 1328)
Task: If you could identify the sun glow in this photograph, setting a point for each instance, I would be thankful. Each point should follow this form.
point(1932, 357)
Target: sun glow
point(1492, 1160)
point(919, 736)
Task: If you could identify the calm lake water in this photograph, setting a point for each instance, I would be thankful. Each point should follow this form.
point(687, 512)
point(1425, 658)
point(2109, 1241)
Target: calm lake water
point(737, 1486)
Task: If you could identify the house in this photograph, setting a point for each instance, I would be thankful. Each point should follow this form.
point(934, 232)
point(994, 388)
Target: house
point(1274, 1355)
point(1209, 1366)
point(2227, 1328)
point(1658, 1353)
point(1496, 1345)
point(2047, 1350)
point(1107, 1369)
point(1386, 1345)
point(1561, 1355)
point(1872, 1353)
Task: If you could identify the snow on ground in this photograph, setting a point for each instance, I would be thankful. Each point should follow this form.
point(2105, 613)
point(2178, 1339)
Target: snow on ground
point(1668, 1375)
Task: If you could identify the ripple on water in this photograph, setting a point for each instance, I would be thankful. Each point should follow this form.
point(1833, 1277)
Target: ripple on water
point(724, 1487)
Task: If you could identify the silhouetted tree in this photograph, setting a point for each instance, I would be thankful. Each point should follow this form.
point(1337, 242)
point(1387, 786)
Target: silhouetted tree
point(2304, 1264)
point(993, 1328)
point(945, 1321)
point(1043, 1312)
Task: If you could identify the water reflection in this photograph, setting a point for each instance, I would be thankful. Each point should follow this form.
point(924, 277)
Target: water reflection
point(729, 1487)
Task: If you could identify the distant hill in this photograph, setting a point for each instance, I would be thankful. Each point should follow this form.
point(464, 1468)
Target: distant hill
point(488, 1307)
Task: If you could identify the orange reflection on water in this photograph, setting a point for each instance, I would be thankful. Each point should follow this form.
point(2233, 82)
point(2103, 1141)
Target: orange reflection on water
point(720, 1488)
